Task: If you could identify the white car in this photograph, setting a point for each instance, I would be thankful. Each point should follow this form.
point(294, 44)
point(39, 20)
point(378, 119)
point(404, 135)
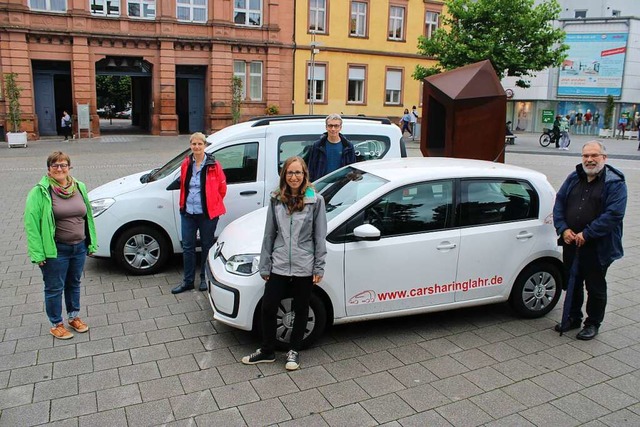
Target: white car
point(408, 236)
point(137, 216)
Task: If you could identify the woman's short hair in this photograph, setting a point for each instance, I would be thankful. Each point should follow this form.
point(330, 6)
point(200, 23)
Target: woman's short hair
point(56, 156)
point(198, 135)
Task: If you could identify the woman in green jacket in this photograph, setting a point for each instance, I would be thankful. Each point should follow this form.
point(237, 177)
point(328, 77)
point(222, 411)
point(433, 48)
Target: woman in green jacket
point(60, 232)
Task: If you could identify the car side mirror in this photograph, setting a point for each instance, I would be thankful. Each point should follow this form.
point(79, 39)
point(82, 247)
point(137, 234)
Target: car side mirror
point(366, 232)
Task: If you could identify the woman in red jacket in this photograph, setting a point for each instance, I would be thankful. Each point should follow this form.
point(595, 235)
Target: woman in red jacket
point(202, 190)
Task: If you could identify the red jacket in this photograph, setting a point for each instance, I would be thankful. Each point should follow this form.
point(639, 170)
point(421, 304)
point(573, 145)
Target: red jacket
point(213, 181)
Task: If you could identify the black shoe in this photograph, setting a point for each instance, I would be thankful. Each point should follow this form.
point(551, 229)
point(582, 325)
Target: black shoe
point(293, 360)
point(181, 288)
point(587, 333)
point(259, 357)
point(573, 324)
point(203, 286)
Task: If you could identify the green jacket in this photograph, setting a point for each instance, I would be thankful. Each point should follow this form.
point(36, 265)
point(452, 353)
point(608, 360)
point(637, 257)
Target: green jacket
point(40, 224)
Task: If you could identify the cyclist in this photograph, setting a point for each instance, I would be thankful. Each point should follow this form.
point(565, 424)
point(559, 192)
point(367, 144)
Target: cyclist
point(556, 130)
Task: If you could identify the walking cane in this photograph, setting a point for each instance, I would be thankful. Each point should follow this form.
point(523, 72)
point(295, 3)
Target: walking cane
point(568, 298)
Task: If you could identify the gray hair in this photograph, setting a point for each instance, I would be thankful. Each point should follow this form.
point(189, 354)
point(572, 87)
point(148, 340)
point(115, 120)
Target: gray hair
point(603, 149)
point(198, 135)
point(332, 116)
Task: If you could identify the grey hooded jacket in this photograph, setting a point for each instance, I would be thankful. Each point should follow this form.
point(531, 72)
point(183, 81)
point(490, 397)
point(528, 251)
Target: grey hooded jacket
point(294, 245)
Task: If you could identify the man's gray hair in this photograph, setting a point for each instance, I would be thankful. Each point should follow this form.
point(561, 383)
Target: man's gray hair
point(332, 116)
point(603, 149)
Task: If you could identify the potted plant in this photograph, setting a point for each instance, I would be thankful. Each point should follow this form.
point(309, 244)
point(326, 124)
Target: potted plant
point(12, 94)
point(607, 131)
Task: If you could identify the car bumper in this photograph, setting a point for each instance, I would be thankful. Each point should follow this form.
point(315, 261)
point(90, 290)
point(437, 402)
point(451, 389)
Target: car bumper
point(233, 298)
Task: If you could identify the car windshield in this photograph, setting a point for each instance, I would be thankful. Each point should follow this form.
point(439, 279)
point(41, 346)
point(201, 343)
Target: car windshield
point(345, 187)
point(169, 167)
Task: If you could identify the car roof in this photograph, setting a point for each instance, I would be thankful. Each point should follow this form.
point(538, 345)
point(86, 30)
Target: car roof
point(300, 125)
point(420, 168)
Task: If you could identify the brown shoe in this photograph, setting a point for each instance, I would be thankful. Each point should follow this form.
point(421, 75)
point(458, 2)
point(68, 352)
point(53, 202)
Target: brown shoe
point(60, 332)
point(78, 325)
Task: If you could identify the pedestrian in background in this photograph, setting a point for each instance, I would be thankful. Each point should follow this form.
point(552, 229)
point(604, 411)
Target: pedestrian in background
point(292, 258)
point(588, 213)
point(556, 130)
point(203, 186)
point(414, 121)
point(65, 124)
point(60, 233)
point(406, 121)
point(564, 133)
point(332, 151)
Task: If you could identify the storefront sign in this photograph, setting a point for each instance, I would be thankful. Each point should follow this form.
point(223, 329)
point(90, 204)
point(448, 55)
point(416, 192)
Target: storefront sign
point(547, 116)
point(594, 65)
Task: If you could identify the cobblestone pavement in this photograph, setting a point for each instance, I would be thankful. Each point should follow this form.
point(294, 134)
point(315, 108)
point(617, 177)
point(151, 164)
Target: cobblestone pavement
point(152, 358)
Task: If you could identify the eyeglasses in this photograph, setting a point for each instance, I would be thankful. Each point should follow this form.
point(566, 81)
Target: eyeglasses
point(591, 156)
point(333, 126)
point(59, 166)
point(294, 173)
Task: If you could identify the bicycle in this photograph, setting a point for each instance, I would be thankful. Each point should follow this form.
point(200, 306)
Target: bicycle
point(548, 137)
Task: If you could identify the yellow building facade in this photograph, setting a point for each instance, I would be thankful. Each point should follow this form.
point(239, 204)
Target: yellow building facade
point(357, 56)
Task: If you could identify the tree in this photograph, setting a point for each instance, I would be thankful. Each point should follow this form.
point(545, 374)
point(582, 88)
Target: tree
point(113, 90)
point(12, 93)
point(516, 36)
point(608, 113)
point(236, 98)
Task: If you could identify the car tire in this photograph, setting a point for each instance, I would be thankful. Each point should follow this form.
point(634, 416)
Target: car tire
point(536, 290)
point(142, 250)
point(284, 322)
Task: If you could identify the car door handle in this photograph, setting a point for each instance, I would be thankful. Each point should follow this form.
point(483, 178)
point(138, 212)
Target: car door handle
point(445, 245)
point(248, 193)
point(524, 235)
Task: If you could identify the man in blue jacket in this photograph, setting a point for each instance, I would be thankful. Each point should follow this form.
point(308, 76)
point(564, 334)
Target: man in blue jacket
point(331, 151)
point(588, 214)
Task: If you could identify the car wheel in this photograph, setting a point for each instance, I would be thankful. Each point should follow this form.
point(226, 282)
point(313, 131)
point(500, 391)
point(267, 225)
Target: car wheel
point(316, 323)
point(536, 290)
point(142, 250)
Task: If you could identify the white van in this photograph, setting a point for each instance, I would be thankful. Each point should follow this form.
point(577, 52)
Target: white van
point(137, 217)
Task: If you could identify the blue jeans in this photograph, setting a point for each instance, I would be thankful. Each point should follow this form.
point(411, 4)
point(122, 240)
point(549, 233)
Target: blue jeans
point(190, 226)
point(62, 275)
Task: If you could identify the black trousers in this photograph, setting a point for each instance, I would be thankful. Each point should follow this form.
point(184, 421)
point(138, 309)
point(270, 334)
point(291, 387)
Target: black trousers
point(592, 276)
point(277, 288)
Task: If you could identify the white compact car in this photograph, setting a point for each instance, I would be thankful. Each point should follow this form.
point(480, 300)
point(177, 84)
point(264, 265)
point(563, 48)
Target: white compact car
point(138, 219)
point(408, 236)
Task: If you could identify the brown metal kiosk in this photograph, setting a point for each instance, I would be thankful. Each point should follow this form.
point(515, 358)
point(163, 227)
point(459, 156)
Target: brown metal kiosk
point(463, 113)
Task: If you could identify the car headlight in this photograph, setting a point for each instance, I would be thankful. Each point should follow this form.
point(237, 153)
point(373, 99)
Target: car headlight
point(101, 205)
point(243, 265)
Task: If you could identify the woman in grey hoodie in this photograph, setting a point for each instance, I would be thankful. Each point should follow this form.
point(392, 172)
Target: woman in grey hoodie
point(292, 258)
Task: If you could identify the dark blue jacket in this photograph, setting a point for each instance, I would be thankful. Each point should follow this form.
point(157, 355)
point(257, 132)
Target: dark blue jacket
point(607, 227)
point(317, 163)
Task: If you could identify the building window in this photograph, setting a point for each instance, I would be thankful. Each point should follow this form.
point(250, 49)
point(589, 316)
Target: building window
point(580, 14)
point(251, 72)
point(247, 12)
point(318, 16)
point(393, 87)
point(48, 5)
point(396, 23)
point(192, 10)
point(105, 7)
point(316, 82)
point(358, 26)
point(355, 91)
point(142, 8)
point(431, 23)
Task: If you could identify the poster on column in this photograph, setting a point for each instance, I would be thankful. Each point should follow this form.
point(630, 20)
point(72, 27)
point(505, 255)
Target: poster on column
point(594, 65)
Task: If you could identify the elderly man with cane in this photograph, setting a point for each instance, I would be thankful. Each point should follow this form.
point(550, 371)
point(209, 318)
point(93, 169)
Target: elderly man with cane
point(588, 214)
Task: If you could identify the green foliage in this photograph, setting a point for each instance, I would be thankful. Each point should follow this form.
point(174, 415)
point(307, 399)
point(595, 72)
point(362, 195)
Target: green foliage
point(12, 94)
point(272, 110)
point(515, 35)
point(236, 98)
point(113, 90)
point(608, 113)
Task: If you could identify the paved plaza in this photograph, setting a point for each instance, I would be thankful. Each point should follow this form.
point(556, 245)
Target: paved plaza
point(153, 358)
